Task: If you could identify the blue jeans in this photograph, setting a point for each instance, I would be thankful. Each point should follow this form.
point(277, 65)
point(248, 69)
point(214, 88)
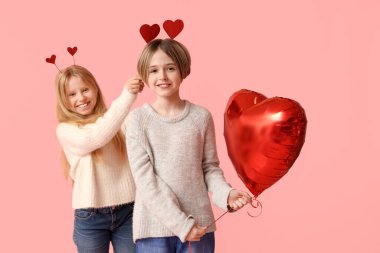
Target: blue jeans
point(95, 228)
point(174, 245)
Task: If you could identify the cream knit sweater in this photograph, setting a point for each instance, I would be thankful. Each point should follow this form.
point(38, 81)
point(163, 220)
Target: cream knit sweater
point(174, 162)
point(98, 184)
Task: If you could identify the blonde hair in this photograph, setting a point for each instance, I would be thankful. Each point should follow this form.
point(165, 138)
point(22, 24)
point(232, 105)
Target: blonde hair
point(174, 49)
point(65, 115)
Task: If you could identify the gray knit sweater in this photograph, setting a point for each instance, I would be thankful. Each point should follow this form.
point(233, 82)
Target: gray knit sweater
point(174, 163)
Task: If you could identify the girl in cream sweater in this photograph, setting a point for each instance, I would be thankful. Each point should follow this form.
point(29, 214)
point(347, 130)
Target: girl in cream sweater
point(94, 152)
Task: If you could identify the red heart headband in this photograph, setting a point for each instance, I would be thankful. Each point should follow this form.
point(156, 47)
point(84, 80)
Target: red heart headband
point(71, 50)
point(172, 28)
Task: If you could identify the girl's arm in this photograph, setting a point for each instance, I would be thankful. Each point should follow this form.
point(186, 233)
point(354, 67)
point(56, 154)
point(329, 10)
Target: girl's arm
point(157, 196)
point(81, 140)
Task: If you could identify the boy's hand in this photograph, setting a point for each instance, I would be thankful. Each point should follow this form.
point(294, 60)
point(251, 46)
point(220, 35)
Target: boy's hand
point(238, 199)
point(134, 85)
point(196, 233)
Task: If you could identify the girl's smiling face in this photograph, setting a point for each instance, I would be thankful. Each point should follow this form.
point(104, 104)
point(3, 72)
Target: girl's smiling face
point(81, 97)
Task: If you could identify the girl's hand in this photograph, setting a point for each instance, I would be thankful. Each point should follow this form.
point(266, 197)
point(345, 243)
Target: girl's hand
point(134, 85)
point(196, 233)
point(238, 199)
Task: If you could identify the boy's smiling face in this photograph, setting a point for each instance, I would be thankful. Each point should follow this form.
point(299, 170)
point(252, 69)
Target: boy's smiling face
point(164, 77)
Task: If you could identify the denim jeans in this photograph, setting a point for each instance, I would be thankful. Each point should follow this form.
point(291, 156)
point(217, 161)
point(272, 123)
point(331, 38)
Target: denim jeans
point(174, 245)
point(95, 228)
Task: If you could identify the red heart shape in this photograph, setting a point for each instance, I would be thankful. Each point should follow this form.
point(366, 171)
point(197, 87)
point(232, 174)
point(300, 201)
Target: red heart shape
point(173, 28)
point(72, 51)
point(51, 59)
point(264, 137)
point(149, 32)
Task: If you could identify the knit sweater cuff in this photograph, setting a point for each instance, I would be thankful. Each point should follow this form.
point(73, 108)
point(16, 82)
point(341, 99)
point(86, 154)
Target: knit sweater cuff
point(129, 96)
point(220, 198)
point(190, 222)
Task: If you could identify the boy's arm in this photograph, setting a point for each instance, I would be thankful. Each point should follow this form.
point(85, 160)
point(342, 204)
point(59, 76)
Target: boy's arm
point(214, 178)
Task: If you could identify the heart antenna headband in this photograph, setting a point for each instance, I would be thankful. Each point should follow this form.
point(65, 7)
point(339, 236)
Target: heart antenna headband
point(172, 28)
point(71, 50)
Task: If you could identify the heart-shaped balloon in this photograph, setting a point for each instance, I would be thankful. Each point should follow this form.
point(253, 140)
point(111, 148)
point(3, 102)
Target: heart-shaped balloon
point(264, 137)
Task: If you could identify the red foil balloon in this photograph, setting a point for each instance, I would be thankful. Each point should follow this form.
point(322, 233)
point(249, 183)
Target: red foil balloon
point(264, 137)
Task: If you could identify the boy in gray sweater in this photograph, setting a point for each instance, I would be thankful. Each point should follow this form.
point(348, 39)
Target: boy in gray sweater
point(173, 158)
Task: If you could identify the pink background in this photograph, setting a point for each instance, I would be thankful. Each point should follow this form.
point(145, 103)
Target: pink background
point(323, 53)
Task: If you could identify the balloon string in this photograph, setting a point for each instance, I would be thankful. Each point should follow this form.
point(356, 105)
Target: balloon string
point(259, 205)
point(253, 216)
point(216, 219)
point(208, 227)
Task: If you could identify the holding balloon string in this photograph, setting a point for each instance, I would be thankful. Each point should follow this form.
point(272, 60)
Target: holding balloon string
point(264, 137)
point(173, 157)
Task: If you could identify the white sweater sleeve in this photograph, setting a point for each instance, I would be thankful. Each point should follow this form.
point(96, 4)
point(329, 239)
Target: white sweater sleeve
point(85, 139)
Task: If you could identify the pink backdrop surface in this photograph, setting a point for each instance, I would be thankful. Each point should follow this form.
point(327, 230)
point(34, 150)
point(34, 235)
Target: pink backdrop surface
point(325, 54)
